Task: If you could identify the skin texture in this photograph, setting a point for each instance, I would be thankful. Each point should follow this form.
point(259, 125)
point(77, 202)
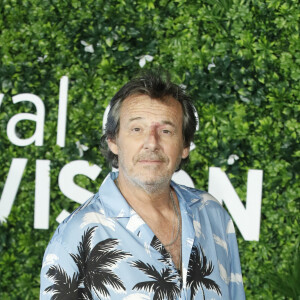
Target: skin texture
point(149, 146)
point(149, 143)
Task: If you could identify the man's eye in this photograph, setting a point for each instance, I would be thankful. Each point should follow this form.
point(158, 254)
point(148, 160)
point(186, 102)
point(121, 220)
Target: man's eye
point(166, 131)
point(136, 129)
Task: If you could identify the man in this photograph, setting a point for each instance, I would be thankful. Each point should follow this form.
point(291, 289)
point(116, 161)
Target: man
point(142, 236)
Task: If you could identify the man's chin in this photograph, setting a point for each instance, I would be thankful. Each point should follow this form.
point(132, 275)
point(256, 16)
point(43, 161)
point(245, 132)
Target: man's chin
point(152, 184)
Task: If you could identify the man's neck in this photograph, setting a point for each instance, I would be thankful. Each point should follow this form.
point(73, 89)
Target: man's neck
point(141, 197)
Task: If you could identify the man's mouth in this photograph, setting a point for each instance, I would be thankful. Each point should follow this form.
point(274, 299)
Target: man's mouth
point(150, 161)
point(150, 158)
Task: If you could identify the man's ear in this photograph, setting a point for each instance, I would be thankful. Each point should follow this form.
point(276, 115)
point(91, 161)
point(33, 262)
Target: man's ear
point(185, 152)
point(112, 146)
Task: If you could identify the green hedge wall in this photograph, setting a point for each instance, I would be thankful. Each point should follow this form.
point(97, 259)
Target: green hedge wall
point(247, 100)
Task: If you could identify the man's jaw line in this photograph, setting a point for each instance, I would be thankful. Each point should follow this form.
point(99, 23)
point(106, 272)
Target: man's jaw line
point(150, 187)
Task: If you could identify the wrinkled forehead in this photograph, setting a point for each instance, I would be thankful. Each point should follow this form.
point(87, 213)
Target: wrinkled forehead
point(142, 106)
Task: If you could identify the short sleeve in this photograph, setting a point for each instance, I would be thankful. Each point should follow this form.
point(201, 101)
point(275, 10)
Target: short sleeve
point(59, 273)
point(236, 286)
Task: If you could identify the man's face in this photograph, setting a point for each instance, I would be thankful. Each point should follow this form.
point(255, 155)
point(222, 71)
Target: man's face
point(149, 144)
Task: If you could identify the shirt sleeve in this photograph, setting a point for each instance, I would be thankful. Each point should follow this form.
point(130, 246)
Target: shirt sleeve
point(59, 273)
point(236, 286)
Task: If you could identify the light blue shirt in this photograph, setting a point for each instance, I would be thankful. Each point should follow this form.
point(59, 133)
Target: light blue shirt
point(105, 250)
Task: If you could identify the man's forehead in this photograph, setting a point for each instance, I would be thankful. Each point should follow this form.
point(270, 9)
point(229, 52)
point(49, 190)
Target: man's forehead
point(137, 102)
point(144, 108)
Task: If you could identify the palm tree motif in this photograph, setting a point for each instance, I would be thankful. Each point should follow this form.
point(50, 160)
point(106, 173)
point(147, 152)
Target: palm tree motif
point(94, 267)
point(64, 287)
point(198, 271)
point(163, 284)
point(165, 257)
point(158, 246)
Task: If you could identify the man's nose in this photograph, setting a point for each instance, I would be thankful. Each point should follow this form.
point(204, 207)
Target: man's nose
point(151, 139)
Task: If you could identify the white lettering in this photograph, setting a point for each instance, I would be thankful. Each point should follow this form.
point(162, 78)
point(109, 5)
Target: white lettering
point(69, 188)
point(11, 186)
point(1, 98)
point(63, 215)
point(247, 219)
point(67, 174)
point(42, 194)
point(39, 118)
point(62, 112)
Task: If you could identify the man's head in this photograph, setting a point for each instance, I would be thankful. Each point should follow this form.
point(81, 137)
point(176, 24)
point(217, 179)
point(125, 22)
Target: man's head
point(157, 86)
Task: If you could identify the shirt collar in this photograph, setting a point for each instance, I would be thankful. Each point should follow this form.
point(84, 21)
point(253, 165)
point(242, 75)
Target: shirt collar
point(115, 205)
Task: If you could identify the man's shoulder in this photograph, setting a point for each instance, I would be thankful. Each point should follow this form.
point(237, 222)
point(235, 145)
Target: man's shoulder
point(88, 213)
point(198, 198)
point(202, 203)
point(193, 195)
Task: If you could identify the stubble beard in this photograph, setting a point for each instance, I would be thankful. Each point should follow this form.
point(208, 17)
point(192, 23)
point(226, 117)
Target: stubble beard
point(153, 186)
point(149, 185)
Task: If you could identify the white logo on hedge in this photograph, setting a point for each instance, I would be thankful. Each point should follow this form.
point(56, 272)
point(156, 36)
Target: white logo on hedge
point(247, 219)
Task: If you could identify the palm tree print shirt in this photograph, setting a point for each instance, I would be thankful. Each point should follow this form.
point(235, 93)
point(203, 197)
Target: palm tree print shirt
point(104, 250)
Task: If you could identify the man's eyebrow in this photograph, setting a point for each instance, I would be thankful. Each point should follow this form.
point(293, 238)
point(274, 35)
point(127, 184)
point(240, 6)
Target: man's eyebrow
point(165, 122)
point(134, 119)
point(169, 123)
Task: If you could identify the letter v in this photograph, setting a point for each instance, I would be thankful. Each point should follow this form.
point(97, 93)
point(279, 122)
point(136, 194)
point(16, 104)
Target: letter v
point(11, 186)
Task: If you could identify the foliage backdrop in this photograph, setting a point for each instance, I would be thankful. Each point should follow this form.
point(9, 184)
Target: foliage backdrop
point(240, 62)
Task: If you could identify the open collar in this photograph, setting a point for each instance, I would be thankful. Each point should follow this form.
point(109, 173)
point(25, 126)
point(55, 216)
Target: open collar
point(113, 202)
point(115, 205)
